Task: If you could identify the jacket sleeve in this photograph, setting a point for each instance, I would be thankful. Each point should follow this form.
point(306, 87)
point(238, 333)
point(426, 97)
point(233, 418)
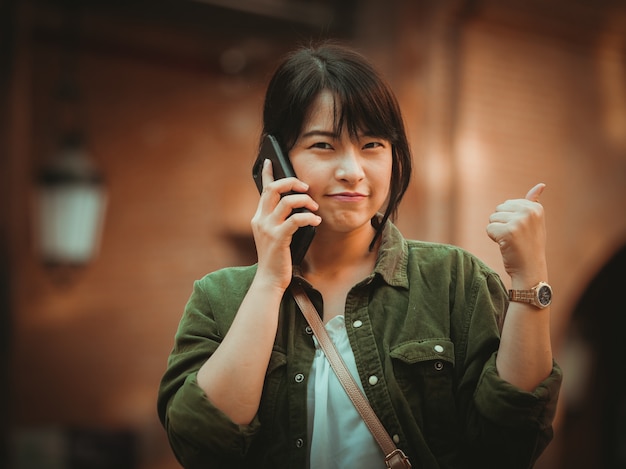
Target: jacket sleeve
point(525, 416)
point(199, 433)
point(505, 426)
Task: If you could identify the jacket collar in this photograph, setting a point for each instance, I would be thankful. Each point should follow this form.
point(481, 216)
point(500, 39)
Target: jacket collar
point(392, 261)
point(391, 264)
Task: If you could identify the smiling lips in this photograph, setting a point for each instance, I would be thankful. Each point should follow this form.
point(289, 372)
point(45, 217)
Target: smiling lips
point(348, 196)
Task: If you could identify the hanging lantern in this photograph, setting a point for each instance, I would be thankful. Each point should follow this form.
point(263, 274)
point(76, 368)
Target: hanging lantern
point(71, 206)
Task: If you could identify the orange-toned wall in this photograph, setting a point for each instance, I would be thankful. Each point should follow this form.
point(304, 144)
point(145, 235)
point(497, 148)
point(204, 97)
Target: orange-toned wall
point(495, 101)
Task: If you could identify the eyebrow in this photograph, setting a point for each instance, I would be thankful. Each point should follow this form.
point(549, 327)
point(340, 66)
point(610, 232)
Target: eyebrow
point(320, 133)
point(331, 134)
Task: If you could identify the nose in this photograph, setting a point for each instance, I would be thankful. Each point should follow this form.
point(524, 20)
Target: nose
point(349, 167)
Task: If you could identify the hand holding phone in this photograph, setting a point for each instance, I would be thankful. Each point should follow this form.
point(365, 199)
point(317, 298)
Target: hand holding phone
point(281, 166)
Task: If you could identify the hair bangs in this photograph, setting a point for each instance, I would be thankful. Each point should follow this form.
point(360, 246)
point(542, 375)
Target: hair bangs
point(361, 104)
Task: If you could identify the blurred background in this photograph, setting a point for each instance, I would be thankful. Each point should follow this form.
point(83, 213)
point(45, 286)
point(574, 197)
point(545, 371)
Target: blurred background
point(129, 128)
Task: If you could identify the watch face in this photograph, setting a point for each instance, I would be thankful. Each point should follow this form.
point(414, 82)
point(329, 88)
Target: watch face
point(544, 295)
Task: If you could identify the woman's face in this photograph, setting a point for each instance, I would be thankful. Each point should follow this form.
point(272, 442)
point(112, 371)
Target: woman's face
point(348, 178)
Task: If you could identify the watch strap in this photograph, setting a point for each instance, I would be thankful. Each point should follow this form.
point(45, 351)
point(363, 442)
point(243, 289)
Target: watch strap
point(524, 296)
point(540, 295)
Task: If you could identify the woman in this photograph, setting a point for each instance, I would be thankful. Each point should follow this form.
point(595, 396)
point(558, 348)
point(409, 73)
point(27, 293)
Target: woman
point(459, 375)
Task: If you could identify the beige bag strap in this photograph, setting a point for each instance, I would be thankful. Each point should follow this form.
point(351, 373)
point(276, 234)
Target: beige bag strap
point(394, 457)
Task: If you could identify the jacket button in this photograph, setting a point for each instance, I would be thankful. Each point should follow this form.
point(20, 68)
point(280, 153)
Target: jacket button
point(308, 330)
point(438, 365)
point(438, 348)
point(396, 439)
point(373, 380)
point(299, 443)
point(299, 378)
point(357, 323)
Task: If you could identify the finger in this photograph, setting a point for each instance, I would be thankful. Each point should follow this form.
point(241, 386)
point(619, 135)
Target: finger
point(286, 186)
point(534, 194)
point(267, 173)
point(306, 218)
point(500, 217)
point(294, 202)
point(497, 231)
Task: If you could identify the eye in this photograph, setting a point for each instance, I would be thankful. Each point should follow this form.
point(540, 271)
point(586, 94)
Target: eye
point(374, 145)
point(322, 146)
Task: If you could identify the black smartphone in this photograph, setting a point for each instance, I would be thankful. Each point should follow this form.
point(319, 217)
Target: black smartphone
point(270, 150)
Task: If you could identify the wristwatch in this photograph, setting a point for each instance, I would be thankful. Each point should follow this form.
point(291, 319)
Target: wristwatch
point(540, 295)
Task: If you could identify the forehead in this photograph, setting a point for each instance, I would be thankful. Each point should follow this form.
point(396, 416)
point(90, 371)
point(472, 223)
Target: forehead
point(321, 112)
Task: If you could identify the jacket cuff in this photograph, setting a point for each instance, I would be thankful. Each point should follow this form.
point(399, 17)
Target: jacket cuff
point(192, 418)
point(509, 406)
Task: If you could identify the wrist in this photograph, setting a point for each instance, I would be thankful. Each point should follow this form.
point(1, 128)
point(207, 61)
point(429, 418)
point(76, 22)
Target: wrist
point(529, 278)
point(268, 285)
point(524, 283)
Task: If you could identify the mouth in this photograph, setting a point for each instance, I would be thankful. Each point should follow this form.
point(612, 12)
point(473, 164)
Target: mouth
point(348, 196)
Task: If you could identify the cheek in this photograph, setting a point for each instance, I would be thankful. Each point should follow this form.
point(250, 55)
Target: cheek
point(302, 170)
point(382, 177)
point(308, 174)
point(383, 183)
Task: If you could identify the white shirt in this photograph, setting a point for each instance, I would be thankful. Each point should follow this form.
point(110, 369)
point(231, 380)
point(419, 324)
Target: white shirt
point(338, 436)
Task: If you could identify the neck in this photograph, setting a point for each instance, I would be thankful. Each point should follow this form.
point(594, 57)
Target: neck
point(332, 254)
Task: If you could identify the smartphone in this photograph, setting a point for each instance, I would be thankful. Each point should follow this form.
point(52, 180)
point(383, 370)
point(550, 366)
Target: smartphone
point(270, 150)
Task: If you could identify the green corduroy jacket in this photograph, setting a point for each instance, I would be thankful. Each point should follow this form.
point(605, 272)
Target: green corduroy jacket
point(426, 324)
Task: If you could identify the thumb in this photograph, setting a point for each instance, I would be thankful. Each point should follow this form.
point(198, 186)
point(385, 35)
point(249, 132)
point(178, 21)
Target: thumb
point(534, 194)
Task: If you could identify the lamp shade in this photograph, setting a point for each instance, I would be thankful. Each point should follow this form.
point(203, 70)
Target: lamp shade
point(71, 206)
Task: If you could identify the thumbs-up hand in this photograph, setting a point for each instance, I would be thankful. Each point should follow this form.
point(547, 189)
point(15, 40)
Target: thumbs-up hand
point(518, 226)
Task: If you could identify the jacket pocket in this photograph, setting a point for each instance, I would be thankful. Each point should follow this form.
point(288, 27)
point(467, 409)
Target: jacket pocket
point(424, 371)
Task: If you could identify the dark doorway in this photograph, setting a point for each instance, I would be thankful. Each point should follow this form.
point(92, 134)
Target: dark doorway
point(594, 426)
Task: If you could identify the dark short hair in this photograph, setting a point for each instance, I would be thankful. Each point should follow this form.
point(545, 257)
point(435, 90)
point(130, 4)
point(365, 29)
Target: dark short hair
point(364, 101)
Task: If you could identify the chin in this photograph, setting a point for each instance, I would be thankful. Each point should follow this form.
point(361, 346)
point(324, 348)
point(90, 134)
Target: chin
point(347, 223)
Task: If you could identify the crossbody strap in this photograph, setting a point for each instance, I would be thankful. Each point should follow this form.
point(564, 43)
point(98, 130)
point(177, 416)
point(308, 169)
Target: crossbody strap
point(394, 457)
